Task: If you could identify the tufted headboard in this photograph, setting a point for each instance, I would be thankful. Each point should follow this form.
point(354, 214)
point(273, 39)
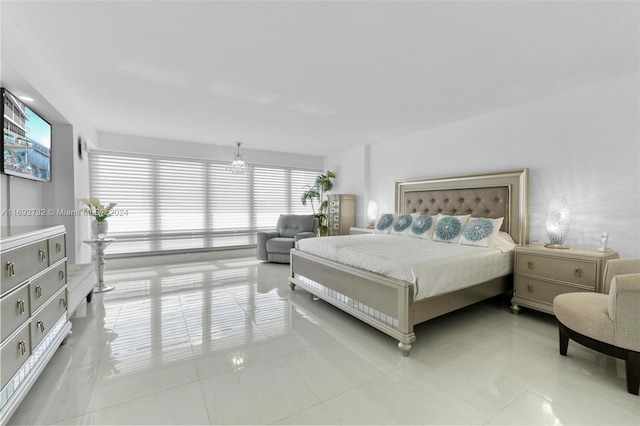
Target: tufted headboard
point(499, 194)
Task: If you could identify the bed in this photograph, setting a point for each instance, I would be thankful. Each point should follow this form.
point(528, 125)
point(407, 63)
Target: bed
point(389, 304)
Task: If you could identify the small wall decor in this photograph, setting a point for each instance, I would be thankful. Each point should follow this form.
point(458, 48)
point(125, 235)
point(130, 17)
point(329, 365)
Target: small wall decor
point(83, 150)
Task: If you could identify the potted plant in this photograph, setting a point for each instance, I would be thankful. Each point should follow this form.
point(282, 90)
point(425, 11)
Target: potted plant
point(100, 213)
point(316, 192)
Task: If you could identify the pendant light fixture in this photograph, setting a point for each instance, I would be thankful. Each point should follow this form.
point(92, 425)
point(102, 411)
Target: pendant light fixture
point(238, 166)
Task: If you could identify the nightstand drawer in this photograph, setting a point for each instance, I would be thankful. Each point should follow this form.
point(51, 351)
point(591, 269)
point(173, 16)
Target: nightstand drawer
point(557, 268)
point(541, 291)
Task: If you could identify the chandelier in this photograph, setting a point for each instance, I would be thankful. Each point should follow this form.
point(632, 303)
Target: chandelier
point(238, 166)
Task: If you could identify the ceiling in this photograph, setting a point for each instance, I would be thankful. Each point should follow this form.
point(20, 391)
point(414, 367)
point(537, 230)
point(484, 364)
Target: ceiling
point(317, 77)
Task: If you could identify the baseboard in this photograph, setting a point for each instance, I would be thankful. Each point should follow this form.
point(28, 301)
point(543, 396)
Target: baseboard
point(164, 259)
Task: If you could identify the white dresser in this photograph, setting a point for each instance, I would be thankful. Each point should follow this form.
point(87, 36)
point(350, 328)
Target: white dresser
point(33, 307)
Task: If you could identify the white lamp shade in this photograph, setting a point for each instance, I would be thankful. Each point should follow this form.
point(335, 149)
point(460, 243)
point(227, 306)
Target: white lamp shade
point(372, 212)
point(557, 222)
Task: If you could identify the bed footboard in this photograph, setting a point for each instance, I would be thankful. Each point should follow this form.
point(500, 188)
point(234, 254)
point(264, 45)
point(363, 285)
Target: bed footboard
point(383, 303)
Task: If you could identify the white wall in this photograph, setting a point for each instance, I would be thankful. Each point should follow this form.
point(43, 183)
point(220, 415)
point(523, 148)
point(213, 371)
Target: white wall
point(351, 172)
point(172, 148)
point(19, 193)
point(584, 143)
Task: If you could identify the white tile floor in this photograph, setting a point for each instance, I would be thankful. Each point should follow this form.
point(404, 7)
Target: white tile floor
point(227, 342)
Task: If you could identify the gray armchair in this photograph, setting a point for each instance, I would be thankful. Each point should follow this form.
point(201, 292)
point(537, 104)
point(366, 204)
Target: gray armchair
point(275, 245)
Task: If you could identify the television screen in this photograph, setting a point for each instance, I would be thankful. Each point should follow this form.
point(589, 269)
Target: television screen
point(26, 143)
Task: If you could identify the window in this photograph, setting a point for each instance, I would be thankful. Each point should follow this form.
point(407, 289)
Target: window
point(168, 204)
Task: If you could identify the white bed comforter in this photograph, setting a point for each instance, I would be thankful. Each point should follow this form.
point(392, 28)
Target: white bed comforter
point(432, 267)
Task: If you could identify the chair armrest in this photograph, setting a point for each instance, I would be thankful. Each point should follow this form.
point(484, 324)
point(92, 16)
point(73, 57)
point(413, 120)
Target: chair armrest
point(301, 235)
point(263, 237)
point(615, 267)
point(624, 300)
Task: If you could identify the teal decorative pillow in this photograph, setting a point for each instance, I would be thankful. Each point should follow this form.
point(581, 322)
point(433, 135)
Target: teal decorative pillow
point(402, 224)
point(479, 231)
point(422, 226)
point(449, 228)
point(384, 223)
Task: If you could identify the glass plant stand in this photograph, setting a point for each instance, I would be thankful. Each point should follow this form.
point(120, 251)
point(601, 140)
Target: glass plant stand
point(99, 245)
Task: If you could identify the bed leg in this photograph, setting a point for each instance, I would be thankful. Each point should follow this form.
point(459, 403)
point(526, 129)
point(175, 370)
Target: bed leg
point(405, 348)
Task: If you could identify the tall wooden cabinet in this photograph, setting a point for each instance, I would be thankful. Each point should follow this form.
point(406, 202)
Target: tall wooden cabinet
point(342, 214)
point(33, 307)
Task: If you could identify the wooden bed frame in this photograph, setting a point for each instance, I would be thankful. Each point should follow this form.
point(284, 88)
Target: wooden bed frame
point(387, 304)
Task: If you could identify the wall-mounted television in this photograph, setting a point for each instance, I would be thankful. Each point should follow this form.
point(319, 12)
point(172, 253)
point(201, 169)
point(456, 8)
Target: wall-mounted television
point(26, 141)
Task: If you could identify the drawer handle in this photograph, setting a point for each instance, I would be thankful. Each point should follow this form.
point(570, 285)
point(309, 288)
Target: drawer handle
point(40, 325)
point(530, 264)
point(38, 291)
point(58, 247)
point(22, 345)
point(529, 288)
point(20, 306)
point(43, 255)
point(61, 275)
point(63, 303)
point(11, 269)
point(578, 272)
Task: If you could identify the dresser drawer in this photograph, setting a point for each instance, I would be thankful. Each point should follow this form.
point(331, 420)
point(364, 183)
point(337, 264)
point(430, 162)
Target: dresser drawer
point(43, 287)
point(14, 311)
point(57, 249)
point(14, 353)
point(541, 291)
point(556, 268)
point(47, 317)
point(23, 262)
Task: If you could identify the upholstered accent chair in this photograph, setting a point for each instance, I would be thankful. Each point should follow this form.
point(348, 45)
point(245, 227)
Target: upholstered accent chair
point(607, 323)
point(275, 245)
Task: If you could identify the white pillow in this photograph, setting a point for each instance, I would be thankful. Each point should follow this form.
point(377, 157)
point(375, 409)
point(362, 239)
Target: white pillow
point(422, 226)
point(480, 231)
point(449, 228)
point(402, 224)
point(384, 223)
point(503, 242)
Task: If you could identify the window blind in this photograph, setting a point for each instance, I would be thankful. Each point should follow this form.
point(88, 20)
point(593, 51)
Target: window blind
point(180, 204)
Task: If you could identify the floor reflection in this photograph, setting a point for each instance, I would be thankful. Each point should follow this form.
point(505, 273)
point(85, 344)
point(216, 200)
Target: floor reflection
point(228, 342)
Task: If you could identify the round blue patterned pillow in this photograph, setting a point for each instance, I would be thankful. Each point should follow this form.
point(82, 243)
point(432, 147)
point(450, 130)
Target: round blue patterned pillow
point(421, 226)
point(449, 228)
point(402, 224)
point(383, 225)
point(479, 230)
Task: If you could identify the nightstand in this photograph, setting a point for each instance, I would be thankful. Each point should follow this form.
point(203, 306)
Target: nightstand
point(356, 231)
point(541, 273)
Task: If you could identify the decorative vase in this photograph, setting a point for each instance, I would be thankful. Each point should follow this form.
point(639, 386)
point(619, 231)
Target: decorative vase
point(99, 229)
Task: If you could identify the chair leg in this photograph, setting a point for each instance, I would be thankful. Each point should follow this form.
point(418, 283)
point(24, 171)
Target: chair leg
point(632, 367)
point(564, 341)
